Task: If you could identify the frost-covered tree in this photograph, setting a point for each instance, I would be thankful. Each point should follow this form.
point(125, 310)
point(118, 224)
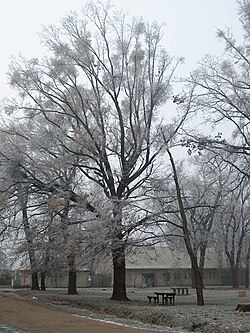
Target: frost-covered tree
point(101, 86)
point(202, 196)
point(235, 225)
point(218, 95)
point(16, 190)
point(38, 180)
point(219, 90)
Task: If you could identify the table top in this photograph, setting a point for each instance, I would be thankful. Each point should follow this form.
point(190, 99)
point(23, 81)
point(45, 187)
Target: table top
point(165, 293)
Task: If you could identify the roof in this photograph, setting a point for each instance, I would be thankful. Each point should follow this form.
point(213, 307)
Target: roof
point(157, 257)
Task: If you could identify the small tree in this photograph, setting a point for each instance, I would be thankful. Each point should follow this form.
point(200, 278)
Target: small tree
point(202, 191)
point(186, 236)
point(235, 225)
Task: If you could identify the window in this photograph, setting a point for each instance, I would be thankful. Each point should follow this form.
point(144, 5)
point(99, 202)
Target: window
point(186, 275)
point(149, 279)
point(177, 276)
point(166, 276)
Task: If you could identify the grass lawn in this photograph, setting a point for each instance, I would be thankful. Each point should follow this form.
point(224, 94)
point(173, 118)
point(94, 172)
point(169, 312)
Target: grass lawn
point(217, 316)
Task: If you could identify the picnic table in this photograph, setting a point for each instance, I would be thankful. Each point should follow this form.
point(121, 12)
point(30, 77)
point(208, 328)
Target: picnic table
point(165, 297)
point(180, 290)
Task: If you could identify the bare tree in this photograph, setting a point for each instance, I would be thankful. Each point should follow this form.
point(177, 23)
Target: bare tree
point(186, 236)
point(234, 219)
point(39, 180)
point(102, 88)
point(15, 185)
point(220, 97)
point(202, 198)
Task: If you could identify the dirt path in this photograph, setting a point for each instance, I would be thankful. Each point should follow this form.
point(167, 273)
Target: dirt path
point(36, 318)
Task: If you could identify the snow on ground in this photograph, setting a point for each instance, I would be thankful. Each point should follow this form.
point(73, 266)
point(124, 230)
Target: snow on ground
point(217, 316)
point(8, 329)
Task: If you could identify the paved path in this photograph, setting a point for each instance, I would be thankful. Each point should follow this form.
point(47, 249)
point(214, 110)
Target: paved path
point(34, 318)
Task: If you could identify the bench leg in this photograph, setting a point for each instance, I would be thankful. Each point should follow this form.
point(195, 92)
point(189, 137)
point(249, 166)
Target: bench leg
point(155, 299)
point(149, 299)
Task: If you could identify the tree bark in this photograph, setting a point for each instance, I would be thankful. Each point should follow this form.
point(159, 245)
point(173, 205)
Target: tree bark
point(34, 281)
point(43, 280)
point(118, 256)
point(235, 276)
point(202, 261)
point(44, 269)
point(72, 290)
point(192, 279)
point(198, 280)
point(119, 276)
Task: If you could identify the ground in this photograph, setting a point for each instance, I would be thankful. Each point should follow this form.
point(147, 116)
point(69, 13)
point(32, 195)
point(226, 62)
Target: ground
point(51, 311)
point(32, 317)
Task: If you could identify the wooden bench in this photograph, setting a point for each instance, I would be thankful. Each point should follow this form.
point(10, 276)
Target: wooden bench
point(180, 290)
point(169, 298)
point(165, 297)
point(245, 307)
point(154, 298)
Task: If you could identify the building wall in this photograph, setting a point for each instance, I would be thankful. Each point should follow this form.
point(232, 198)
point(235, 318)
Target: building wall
point(137, 278)
point(140, 278)
point(5, 278)
point(60, 280)
point(101, 280)
point(21, 278)
point(158, 277)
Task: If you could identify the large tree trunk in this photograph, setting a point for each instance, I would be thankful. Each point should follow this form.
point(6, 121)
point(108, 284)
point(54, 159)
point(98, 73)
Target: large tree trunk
point(118, 256)
point(46, 258)
point(235, 276)
point(33, 266)
point(72, 290)
point(198, 280)
point(43, 280)
point(44, 269)
point(119, 283)
point(192, 279)
point(34, 281)
point(202, 261)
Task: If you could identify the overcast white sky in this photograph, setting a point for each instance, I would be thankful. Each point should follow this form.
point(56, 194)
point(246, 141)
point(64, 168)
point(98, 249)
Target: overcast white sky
point(190, 31)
